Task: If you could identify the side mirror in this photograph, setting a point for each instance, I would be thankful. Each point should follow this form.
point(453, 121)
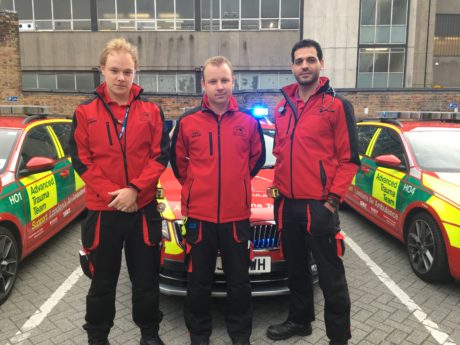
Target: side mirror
point(38, 164)
point(389, 161)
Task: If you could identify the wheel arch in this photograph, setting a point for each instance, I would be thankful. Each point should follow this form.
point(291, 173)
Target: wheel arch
point(14, 229)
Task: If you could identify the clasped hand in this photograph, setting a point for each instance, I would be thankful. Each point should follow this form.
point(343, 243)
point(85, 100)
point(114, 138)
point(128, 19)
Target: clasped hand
point(124, 200)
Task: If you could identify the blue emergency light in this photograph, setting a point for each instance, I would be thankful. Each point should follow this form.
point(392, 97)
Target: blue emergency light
point(259, 111)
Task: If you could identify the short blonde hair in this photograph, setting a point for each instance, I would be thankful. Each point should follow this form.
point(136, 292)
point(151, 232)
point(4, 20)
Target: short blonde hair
point(119, 45)
point(217, 61)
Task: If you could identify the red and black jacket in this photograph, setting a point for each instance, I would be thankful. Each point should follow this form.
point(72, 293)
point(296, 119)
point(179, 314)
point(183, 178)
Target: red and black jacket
point(214, 158)
point(316, 147)
point(107, 163)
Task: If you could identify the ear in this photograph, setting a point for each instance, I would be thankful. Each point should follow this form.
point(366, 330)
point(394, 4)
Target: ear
point(322, 64)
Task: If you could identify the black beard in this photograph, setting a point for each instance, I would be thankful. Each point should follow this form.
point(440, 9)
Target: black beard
point(306, 83)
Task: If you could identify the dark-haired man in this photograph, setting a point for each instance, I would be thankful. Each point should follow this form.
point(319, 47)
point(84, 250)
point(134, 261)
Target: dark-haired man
point(316, 159)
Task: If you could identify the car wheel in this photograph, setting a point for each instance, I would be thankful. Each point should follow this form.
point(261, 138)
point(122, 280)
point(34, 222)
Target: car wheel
point(426, 249)
point(9, 260)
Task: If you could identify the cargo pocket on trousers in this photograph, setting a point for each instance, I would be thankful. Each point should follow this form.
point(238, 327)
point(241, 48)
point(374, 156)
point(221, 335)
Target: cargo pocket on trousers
point(242, 235)
point(321, 221)
point(90, 234)
point(151, 225)
point(193, 236)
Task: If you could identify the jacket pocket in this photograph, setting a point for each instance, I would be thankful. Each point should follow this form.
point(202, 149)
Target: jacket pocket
point(189, 194)
point(321, 221)
point(107, 126)
point(210, 144)
point(90, 231)
point(246, 192)
point(151, 225)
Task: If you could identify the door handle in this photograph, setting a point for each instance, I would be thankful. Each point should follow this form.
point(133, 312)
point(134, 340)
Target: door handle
point(64, 173)
point(365, 169)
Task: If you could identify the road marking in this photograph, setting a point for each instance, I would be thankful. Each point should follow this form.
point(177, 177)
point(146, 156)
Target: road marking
point(37, 318)
point(417, 312)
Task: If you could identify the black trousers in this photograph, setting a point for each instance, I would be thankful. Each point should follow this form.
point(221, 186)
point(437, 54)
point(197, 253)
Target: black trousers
point(307, 226)
point(104, 235)
point(203, 240)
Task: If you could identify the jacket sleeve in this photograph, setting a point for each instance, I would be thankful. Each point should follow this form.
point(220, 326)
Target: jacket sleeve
point(82, 159)
point(159, 154)
point(257, 153)
point(179, 153)
point(346, 147)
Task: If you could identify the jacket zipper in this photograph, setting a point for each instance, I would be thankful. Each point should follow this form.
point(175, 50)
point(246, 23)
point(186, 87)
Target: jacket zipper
point(210, 144)
point(219, 168)
point(107, 125)
point(246, 192)
point(189, 196)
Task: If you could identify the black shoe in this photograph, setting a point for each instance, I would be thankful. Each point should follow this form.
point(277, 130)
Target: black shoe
point(338, 342)
point(98, 342)
point(287, 329)
point(151, 340)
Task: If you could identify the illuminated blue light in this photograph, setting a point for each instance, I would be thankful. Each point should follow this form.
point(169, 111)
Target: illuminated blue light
point(259, 110)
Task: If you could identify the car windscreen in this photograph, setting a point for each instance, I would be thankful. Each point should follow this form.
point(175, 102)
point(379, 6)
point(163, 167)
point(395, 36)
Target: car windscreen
point(436, 150)
point(8, 138)
point(269, 135)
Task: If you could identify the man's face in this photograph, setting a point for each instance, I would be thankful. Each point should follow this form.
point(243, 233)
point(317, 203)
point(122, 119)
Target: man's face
point(217, 83)
point(306, 66)
point(119, 71)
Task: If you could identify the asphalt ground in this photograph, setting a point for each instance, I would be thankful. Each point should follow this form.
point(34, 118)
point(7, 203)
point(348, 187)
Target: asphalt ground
point(390, 305)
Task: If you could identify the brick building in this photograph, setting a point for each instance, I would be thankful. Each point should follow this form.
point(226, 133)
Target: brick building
point(16, 63)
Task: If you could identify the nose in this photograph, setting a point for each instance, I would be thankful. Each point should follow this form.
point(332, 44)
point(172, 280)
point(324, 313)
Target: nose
point(120, 76)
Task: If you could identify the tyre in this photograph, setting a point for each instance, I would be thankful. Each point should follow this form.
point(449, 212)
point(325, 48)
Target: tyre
point(426, 249)
point(9, 260)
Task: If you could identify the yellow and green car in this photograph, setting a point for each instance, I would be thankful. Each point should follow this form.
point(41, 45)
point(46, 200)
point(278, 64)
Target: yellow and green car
point(40, 192)
point(409, 185)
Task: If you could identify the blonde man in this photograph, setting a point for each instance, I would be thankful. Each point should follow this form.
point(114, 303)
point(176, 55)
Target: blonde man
point(120, 147)
point(216, 150)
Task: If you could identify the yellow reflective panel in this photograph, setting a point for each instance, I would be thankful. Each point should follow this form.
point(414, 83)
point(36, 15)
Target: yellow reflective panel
point(453, 232)
point(41, 192)
point(447, 189)
point(385, 185)
point(448, 214)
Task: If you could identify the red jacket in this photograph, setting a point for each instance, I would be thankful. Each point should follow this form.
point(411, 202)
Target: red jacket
point(214, 158)
point(106, 163)
point(316, 150)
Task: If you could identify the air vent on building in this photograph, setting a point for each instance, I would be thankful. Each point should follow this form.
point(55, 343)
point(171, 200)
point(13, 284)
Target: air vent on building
point(26, 26)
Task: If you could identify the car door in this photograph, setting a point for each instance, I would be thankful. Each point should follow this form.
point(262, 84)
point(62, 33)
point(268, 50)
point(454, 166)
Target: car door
point(387, 182)
point(361, 186)
point(39, 189)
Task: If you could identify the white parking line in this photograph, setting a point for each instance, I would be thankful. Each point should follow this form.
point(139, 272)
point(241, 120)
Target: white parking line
point(37, 318)
point(417, 312)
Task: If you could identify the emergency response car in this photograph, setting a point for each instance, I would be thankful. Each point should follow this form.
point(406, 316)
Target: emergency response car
point(268, 273)
point(409, 185)
point(39, 191)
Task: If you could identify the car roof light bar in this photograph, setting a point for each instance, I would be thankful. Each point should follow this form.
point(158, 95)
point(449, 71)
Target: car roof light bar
point(419, 115)
point(29, 110)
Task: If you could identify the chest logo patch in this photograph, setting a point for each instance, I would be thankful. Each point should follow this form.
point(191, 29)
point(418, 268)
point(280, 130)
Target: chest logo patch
point(196, 134)
point(239, 131)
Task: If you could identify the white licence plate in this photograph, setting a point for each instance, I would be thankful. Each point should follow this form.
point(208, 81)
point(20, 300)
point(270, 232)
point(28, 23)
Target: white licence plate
point(260, 264)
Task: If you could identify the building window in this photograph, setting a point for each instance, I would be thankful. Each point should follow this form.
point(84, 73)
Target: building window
point(250, 14)
point(381, 67)
point(58, 81)
point(146, 15)
point(262, 80)
point(50, 14)
point(447, 35)
point(383, 21)
point(167, 82)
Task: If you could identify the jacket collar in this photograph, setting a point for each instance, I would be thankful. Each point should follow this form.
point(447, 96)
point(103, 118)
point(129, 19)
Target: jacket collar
point(292, 90)
point(103, 93)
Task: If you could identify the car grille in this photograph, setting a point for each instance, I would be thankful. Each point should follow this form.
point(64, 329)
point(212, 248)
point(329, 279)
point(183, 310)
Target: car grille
point(264, 236)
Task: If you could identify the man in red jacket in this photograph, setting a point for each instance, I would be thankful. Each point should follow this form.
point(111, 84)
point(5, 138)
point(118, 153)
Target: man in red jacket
point(316, 159)
point(216, 150)
point(120, 147)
